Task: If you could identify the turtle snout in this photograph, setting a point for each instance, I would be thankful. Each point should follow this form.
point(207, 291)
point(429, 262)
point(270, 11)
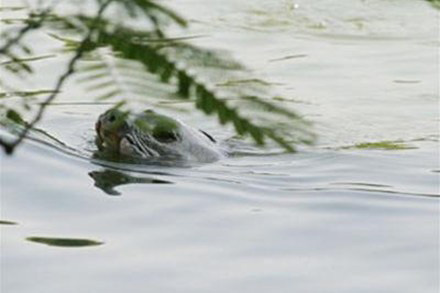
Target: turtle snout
point(98, 126)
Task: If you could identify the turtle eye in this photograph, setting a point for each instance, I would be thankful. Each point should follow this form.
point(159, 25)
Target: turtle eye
point(165, 136)
point(112, 118)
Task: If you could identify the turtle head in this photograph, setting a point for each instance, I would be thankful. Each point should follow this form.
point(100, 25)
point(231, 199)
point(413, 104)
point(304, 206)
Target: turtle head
point(161, 128)
point(110, 129)
point(122, 134)
point(145, 134)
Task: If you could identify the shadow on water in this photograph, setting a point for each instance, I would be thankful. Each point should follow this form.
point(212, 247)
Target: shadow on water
point(107, 180)
point(64, 242)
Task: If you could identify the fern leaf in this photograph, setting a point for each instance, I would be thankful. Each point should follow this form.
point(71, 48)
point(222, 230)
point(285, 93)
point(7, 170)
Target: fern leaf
point(239, 98)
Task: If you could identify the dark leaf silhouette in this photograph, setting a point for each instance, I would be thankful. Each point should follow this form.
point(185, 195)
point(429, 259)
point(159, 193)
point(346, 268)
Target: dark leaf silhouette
point(64, 242)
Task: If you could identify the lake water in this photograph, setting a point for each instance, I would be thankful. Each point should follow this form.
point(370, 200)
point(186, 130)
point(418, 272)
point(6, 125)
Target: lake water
point(329, 218)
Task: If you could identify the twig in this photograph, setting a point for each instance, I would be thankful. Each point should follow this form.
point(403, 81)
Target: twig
point(8, 146)
point(31, 26)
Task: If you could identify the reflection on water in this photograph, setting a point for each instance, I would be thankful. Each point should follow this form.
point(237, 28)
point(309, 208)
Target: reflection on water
point(107, 180)
point(64, 242)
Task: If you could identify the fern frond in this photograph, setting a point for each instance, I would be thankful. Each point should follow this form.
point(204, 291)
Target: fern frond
point(152, 10)
point(106, 76)
point(115, 61)
point(193, 72)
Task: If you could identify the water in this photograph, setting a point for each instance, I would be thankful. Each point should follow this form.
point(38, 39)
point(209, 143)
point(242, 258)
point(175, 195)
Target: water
point(326, 219)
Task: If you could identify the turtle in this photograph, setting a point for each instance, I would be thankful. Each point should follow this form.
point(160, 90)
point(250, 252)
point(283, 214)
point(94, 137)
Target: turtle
point(150, 135)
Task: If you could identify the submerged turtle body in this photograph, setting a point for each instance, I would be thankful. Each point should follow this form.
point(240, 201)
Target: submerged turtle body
point(151, 135)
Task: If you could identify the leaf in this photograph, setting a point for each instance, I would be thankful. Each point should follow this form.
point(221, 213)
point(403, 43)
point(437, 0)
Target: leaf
point(108, 95)
point(184, 84)
point(14, 116)
point(64, 242)
point(7, 223)
point(101, 85)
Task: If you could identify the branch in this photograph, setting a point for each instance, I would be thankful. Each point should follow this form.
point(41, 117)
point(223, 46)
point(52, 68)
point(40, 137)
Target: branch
point(30, 26)
point(83, 47)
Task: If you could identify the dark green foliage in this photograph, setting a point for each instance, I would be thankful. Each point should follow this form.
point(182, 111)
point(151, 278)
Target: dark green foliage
point(115, 61)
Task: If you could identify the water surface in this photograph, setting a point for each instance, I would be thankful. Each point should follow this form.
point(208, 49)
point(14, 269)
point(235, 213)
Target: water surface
point(334, 217)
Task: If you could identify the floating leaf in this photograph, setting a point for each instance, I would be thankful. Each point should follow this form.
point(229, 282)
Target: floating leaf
point(7, 223)
point(383, 145)
point(64, 242)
